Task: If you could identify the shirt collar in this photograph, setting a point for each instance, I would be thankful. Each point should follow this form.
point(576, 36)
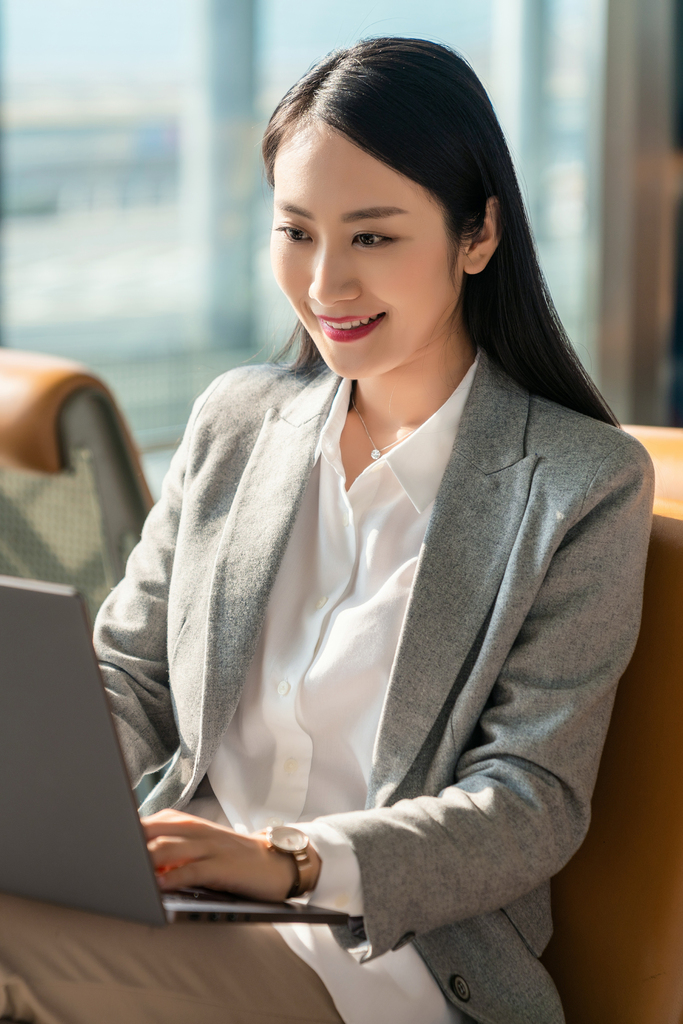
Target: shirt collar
point(328, 443)
point(419, 462)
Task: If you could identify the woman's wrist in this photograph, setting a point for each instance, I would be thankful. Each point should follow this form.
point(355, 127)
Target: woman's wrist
point(279, 866)
point(283, 867)
point(188, 851)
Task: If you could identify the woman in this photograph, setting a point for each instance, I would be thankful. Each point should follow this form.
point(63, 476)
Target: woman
point(386, 596)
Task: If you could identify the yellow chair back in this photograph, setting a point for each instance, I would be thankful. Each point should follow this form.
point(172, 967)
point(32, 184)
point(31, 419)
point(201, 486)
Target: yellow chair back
point(617, 952)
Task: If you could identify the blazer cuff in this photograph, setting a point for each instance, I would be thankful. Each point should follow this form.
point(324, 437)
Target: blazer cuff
point(339, 883)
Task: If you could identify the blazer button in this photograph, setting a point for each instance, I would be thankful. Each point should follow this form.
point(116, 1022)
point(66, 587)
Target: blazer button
point(403, 941)
point(460, 987)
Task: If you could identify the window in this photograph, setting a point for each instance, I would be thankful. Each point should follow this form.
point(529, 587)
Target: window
point(136, 222)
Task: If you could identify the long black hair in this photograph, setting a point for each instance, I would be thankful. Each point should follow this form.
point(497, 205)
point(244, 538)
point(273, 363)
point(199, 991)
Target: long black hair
point(419, 108)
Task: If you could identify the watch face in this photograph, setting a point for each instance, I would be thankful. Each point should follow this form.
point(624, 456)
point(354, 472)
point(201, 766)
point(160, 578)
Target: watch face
point(291, 840)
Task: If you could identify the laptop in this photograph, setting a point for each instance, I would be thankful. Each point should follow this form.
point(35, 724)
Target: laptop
point(70, 828)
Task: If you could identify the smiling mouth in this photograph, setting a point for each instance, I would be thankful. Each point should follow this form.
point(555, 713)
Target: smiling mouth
point(349, 325)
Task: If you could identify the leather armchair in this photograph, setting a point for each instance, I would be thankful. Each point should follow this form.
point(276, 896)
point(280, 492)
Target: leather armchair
point(73, 496)
point(617, 952)
point(665, 446)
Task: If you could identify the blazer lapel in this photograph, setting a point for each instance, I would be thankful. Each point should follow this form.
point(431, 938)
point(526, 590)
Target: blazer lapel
point(476, 517)
point(254, 539)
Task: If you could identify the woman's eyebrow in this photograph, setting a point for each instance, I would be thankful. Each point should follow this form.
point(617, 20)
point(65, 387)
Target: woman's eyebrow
point(368, 213)
point(372, 213)
point(296, 210)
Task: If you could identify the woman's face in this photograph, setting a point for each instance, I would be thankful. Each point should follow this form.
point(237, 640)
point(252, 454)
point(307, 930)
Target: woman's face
point(353, 241)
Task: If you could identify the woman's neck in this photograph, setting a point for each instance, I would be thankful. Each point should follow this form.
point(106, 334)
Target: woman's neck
point(389, 407)
point(401, 400)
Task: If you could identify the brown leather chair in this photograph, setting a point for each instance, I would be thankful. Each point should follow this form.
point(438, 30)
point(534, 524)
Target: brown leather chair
point(665, 446)
point(73, 496)
point(617, 952)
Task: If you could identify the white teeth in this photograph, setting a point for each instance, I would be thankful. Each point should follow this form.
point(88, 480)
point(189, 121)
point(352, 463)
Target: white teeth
point(350, 324)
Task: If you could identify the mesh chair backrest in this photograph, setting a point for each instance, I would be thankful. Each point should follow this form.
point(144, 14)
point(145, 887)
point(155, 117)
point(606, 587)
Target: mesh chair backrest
point(72, 494)
point(51, 528)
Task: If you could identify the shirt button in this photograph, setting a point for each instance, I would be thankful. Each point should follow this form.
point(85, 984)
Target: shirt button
point(283, 688)
point(274, 822)
point(345, 519)
point(321, 602)
point(291, 765)
point(340, 902)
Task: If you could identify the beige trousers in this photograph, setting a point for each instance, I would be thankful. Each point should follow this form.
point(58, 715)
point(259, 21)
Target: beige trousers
point(60, 966)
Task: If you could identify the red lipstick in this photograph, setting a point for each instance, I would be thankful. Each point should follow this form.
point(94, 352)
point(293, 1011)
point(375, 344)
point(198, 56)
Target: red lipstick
point(349, 333)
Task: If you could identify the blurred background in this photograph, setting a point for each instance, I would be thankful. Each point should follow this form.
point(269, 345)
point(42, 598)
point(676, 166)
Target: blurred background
point(135, 221)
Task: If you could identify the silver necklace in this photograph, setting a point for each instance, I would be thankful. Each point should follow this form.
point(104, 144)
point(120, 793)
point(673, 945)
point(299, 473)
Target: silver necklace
point(377, 452)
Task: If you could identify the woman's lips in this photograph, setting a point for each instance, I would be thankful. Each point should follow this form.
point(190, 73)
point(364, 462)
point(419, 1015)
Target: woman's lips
point(349, 333)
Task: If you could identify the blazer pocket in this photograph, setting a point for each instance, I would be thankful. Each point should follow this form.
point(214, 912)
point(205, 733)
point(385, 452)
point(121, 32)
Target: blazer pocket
point(175, 642)
point(531, 918)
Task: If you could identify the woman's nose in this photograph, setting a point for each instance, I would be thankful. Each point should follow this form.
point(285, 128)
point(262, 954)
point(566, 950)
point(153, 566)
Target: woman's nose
point(333, 281)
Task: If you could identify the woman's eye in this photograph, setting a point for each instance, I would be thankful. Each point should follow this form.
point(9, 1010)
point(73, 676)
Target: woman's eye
point(294, 234)
point(369, 241)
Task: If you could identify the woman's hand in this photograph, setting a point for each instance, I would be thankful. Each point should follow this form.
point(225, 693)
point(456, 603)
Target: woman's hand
point(189, 851)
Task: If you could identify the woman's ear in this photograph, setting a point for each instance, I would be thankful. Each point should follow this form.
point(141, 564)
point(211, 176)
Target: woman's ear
point(476, 255)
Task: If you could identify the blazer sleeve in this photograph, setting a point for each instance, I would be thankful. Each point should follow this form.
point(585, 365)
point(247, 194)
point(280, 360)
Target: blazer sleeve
point(131, 628)
point(519, 805)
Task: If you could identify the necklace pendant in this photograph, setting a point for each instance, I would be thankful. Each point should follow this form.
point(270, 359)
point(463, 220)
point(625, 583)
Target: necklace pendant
point(375, 454)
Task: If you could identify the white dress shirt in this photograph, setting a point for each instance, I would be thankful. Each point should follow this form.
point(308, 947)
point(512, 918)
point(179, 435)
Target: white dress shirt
point(301, 742)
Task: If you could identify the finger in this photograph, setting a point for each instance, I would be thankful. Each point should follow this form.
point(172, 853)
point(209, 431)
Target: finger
point(169, 814)
point(165, 868)
point(171, 850)
point(186, 875)
point(177, 825)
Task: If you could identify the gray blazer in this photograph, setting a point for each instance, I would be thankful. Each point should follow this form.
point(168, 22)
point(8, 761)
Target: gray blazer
point(523, 614)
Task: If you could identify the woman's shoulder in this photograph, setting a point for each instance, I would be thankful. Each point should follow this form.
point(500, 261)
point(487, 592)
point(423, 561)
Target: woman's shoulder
point(244, 394)
point(570, 442)
point(578, 444)
point(267, 384)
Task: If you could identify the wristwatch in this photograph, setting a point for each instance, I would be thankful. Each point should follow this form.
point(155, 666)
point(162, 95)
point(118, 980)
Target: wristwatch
point(294, 842)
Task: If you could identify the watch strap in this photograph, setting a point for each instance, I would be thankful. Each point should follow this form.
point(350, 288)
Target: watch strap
point(304, 872)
